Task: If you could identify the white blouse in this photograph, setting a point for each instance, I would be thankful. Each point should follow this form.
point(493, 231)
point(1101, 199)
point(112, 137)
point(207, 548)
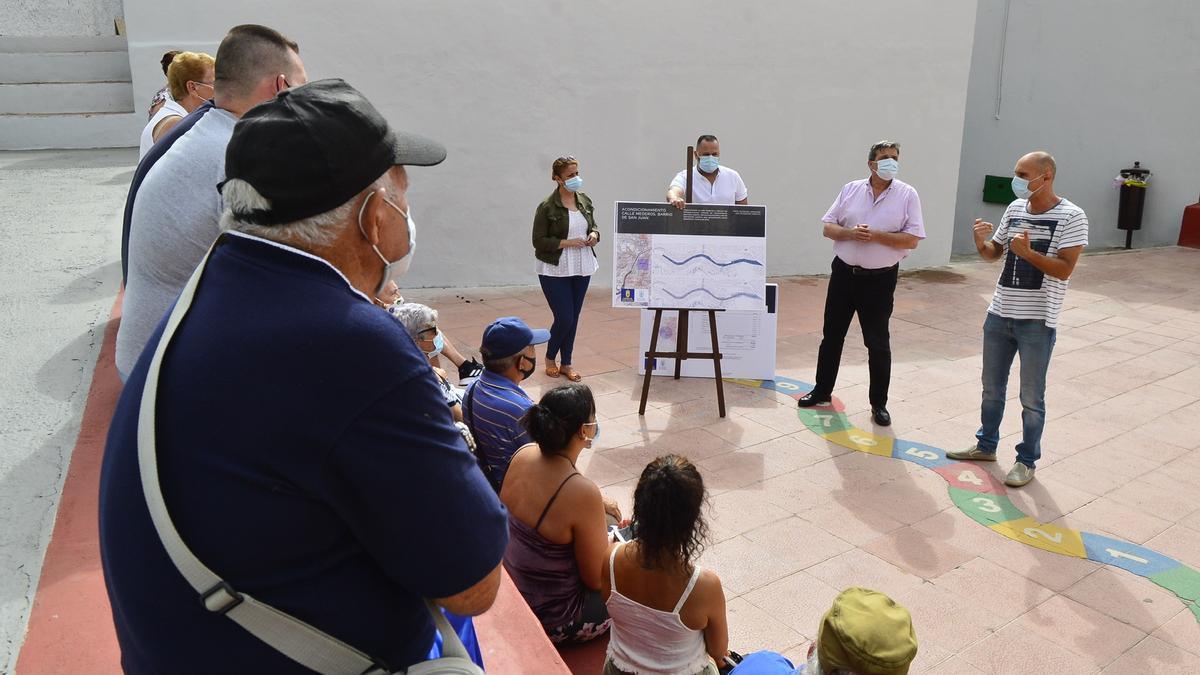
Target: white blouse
point(574, 262)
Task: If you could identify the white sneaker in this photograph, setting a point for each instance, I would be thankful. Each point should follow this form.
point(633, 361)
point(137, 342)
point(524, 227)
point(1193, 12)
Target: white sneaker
point(1019, 475)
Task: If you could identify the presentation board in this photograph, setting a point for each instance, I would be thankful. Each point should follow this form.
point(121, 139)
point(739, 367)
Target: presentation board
point(747, 340)
point(705, 256)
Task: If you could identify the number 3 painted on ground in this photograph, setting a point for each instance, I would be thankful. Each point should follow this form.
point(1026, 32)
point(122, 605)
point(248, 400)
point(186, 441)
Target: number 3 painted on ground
point(1034, 533)
point(921, 454)
point(987, 505)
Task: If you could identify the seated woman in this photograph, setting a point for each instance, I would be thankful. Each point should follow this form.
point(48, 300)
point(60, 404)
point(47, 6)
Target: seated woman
point(469, 370)
point(558, 535)
point(668, 615)
point(421, 322)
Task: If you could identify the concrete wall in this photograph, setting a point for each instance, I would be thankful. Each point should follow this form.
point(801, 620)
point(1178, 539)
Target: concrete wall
point(41, 18)
point(797, 91)
point(1098, 83)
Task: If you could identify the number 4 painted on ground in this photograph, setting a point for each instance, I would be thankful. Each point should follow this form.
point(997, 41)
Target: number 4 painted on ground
point(970, 477)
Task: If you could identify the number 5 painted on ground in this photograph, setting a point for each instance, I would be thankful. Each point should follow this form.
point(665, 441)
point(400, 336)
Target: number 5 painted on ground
point(1034, 533)
point(921, 454)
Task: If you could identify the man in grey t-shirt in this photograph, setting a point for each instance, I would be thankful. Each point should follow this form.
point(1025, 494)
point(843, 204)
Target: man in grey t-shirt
point(177, 212)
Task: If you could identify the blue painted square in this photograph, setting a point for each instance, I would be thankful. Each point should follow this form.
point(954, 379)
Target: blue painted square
point(1130, 558)
point(919, 453)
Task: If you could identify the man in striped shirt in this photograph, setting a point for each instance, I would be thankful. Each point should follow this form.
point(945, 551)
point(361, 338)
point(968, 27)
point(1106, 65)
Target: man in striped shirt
point(1040, 238)
point(495, 403)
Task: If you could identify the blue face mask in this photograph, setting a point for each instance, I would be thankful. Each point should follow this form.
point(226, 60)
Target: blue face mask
point(709, 163)
point(1020, 187)
point(573, 184)
point(887, 168)
point(439, 343)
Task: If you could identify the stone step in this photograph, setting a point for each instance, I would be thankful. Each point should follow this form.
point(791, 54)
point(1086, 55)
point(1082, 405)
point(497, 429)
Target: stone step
point(66, 97)
point(71, 131)
point(31, 68)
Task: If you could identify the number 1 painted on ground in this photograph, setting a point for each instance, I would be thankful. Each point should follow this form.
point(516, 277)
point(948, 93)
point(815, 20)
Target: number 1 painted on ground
point(1128, 556)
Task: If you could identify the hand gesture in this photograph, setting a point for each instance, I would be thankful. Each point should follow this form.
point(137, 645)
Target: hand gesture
point(1020, 245)
point(612, 509)
point(573, 243)
point(592, 239)
point(861, 232)
point(677, 202)
point(983, 231)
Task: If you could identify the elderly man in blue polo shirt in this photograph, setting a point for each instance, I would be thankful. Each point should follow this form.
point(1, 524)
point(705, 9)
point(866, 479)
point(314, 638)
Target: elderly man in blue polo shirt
point(495, 403)
point(293, 436)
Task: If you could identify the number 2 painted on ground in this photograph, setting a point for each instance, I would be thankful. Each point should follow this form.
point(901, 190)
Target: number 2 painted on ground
point(921, 454)
point(1034, 533)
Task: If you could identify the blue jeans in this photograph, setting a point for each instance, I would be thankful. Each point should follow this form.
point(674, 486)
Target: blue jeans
point(565, 296)
point(1002, 340)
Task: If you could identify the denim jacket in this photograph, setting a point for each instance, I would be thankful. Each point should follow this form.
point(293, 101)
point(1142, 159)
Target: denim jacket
point(551, 223)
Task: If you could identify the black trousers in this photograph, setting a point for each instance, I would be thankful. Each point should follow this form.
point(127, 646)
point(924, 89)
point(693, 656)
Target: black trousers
point(870, 294)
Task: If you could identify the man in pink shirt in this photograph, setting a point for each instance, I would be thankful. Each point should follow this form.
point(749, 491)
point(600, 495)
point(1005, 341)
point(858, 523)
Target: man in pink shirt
point(874, 223)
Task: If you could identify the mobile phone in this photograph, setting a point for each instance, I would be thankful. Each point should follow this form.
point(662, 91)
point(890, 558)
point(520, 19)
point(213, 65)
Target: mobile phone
point(622, 534)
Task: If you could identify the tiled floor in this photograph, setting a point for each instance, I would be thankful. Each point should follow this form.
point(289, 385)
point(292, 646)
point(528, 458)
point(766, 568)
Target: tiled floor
point(793, 519)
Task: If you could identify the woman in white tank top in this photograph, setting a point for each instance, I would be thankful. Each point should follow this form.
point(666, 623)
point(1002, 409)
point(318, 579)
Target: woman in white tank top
point(668, 615)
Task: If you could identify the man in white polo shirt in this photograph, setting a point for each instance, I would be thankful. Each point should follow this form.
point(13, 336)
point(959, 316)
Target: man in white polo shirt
point(711, 182)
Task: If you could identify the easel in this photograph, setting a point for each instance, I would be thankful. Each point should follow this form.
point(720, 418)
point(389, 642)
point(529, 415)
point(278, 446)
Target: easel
point(681, 336)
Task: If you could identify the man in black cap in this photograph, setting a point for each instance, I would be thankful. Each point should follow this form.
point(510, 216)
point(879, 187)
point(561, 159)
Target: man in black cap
point(304, 451)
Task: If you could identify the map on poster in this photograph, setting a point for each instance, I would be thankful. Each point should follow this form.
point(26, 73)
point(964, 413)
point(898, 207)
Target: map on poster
point(707, 256)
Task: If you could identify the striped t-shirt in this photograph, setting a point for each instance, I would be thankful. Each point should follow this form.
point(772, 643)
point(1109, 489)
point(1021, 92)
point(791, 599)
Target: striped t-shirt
point(1023, 291)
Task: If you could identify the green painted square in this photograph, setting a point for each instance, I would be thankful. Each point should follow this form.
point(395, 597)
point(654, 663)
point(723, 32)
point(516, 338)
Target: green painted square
point(1182, 581)
point(824, 422)
point(985, 509)
point(1195, 607)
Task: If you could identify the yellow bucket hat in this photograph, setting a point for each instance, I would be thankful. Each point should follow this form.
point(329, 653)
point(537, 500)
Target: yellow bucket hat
point(867, 632)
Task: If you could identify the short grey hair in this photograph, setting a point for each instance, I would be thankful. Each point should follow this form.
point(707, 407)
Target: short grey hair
point(882, 145)
point(242, 199)
point(414, 316)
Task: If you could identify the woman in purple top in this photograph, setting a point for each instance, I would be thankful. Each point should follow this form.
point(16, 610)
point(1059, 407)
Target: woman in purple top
point(557, 518)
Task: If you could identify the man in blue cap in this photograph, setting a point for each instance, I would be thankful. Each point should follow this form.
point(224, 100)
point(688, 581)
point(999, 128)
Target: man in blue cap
point(495, 403)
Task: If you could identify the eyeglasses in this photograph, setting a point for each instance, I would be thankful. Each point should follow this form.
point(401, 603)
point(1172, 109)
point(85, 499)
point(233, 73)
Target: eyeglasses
point(207, 84)
point(432, 329)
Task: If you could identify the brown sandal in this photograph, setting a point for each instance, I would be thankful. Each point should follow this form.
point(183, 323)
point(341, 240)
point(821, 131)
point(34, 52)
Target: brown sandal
point(552, 369)
point(570, 373)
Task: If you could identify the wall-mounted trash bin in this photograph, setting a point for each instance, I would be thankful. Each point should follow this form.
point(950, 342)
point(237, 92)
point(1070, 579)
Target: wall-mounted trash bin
point(1134, 181)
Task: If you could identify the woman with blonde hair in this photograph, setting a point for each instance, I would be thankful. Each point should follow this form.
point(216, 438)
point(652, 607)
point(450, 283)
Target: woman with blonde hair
point(190, 81)
point(564, 240)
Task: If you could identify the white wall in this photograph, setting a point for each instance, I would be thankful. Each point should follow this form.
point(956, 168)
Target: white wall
point(52, 18)
point(1098, 83)
point(797, 92)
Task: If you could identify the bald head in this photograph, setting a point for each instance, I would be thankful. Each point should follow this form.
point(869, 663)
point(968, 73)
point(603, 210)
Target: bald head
point(1039, 161)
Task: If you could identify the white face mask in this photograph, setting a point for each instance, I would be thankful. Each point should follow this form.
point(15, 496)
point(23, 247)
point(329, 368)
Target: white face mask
point(887, 168)
point(392, 269)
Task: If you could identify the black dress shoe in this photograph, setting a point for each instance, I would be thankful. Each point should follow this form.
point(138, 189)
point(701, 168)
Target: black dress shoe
point(812, 398)
point(882, 418)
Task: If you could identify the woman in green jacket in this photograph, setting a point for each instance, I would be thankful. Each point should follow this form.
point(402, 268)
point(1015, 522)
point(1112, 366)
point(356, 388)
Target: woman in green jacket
point(564, 237)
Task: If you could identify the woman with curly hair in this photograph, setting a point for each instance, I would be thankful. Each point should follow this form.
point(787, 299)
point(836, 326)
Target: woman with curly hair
point(668, 615)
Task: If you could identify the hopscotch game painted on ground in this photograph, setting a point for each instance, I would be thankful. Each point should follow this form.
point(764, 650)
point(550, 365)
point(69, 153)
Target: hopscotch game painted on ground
point(984, 498)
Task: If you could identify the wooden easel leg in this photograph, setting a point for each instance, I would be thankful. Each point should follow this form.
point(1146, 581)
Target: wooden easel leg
point(650, 360)
point(681, 340)
point(712, 327)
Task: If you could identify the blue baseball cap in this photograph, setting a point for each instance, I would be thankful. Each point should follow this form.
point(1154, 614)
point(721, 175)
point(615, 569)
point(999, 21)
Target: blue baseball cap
point(509, 335)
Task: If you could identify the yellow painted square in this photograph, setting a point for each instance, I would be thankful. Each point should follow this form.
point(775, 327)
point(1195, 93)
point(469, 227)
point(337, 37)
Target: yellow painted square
point(863, 441)
point(1047, 537)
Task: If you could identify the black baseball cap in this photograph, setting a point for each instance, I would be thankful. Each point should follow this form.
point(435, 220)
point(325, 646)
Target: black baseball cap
point(313, 147)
